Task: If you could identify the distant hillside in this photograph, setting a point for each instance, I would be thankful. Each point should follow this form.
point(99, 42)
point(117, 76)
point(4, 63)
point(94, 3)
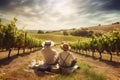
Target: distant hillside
point(95, 29)
point(104, 28)
point(31, 31)
point(99, 28)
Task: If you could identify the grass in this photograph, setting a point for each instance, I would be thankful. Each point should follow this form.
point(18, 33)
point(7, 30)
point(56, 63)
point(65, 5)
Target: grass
point(58, 38)
point(85, 73)
point(105, 56)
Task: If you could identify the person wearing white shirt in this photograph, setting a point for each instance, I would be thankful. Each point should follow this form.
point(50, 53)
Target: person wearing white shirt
point(50, 55)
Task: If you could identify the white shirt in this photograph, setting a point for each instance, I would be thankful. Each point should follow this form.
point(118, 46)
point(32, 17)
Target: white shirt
point(62, 56)
point(49, 55)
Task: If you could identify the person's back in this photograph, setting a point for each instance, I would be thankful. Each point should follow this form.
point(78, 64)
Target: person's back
point(65, 58)
point(50, 55)
point(67, 62)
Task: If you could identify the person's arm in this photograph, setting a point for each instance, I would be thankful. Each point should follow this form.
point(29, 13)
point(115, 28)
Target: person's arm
point(56, 55)
point(42, 55)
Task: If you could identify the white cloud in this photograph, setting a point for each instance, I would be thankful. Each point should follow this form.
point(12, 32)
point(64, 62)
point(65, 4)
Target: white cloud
point(59, 14)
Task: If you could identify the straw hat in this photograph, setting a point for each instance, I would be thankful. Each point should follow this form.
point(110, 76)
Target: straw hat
point(65, 46)
point(48, 43)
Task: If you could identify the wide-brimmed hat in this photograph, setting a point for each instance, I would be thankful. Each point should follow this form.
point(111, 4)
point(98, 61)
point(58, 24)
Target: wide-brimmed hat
point(48, 43)
point(65, 46)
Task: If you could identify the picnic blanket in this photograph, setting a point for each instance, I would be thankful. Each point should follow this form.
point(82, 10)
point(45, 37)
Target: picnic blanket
point(41, 68)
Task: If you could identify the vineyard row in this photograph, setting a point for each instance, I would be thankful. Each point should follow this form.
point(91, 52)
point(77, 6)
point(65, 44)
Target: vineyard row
point(11, 37)
point(108, 42)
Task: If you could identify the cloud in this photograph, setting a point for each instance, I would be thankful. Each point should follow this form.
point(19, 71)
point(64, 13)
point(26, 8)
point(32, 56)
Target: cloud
point(4, 3)
point(112, 5)
point(59, 14)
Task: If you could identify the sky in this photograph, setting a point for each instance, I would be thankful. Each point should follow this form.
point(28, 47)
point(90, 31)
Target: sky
point(60, 14)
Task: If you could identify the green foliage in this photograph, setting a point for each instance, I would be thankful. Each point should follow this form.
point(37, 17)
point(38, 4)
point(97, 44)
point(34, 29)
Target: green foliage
point(108, 42)
point(83, 32)
point(2, 33)
point(32, 42)
point(65, 33)
point(11, 37)
point(20, 38)
point(94, 76)
point(57, 38)
point(40, 32)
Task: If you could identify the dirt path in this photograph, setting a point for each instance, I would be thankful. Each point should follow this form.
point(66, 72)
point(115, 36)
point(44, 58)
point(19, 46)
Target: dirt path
point(14, 67)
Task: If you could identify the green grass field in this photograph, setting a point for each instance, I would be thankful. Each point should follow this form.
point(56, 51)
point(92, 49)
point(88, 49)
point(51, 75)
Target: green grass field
point(58, 38)
point(85, 73)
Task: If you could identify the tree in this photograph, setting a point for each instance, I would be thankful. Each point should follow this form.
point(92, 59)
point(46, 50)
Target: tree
point(10, 36)
point(40, 32)
point(20, 39)
point(65, 33)
point(82, 32)
point(2, 33)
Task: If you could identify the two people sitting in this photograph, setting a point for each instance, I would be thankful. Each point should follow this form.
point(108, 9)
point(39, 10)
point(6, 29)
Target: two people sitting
point(64, 60)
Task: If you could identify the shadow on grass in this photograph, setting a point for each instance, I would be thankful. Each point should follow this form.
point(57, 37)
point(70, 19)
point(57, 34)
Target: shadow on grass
point(111, 63)
point(6, 60)
point(93, 57)
point(89, 56)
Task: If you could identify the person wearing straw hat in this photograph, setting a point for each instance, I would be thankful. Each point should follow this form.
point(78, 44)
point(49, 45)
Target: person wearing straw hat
point(66, 57)
point(50, 55)
point(66, 60)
